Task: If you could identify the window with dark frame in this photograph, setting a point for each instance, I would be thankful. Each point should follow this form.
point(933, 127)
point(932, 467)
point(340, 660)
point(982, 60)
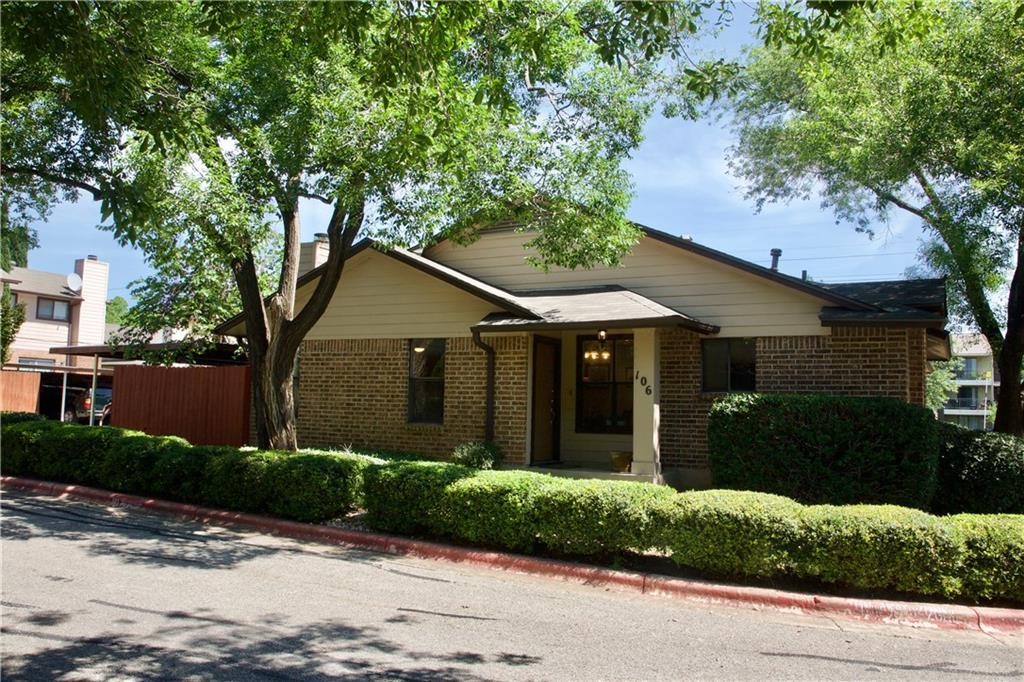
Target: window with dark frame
point(49, 309)
point(729, 365)
point(604, 384)
point(426, 381)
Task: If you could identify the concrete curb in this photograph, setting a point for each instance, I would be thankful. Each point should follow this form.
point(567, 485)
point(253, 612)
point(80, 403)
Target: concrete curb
point(915, 614)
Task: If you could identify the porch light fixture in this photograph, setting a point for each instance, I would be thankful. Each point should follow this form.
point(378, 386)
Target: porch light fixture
point(601, 352)
point(418, 349)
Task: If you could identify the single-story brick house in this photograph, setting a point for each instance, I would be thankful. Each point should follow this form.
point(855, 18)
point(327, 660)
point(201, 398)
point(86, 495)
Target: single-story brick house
point(422, 350)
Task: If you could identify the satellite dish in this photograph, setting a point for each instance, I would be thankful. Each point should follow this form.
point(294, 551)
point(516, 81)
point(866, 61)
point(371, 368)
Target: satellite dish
point(74, 282)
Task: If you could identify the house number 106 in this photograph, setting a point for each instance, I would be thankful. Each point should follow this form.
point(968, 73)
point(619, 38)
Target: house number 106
point(643, 382)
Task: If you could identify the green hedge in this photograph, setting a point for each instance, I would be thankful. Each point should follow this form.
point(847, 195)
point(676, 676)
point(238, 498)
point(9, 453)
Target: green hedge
point(729, 532)
point(511, 509)
point(8, 418)
point(979, 472)
point(825, 449)
point(874, 547)
point(723, 532)
point(312, 486)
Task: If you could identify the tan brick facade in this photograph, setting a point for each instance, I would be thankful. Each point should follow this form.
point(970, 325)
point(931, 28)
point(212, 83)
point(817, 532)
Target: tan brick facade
point(354, 392)
point(857, 361)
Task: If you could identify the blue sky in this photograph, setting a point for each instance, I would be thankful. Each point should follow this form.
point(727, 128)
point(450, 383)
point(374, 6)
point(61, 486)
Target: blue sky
point(683, 186)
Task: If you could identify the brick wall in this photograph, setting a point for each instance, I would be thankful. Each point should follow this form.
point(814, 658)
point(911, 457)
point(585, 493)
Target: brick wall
point(354, 392)
point(856, 361)
point(684, 411)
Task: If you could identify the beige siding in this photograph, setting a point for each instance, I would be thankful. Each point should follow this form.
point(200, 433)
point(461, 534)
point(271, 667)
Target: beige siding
point(740, 303)
point(36, 337)
point(90, 317)
point(380, 298)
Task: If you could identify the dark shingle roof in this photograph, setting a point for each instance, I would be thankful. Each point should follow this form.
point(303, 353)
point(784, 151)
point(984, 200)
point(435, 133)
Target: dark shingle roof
point(926, 294)
point(608, 306)
point(911, 302)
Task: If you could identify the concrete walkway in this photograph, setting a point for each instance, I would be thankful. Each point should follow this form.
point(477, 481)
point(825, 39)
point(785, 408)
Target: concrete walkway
point(92, 592)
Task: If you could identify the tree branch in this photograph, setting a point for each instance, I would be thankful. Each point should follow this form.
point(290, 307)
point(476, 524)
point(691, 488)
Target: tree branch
point(901, 203)
point(247, 279)
point(342, 231)
point(42, 174)
point(318, 197)
point(289, 207)
point(951, 232)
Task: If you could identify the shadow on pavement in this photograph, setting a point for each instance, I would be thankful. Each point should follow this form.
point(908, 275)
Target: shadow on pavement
point(209, 647)
point(201, 644)
point(133, 539)
point(876, 666)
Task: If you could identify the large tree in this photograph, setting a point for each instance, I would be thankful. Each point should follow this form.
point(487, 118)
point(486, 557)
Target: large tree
point(929, 124)
point(17, 237)
point(409, 120)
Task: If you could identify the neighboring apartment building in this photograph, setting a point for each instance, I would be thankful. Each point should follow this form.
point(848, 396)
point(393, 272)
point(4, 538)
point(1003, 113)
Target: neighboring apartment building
point(61, 309)
point(976, 383)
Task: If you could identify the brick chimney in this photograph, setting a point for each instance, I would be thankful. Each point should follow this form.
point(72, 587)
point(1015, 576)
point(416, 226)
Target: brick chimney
point(313, 254)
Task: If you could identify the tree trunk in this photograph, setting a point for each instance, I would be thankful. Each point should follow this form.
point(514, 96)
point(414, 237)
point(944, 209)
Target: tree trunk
point(1009, 415)
point(1009, 410)
point(274, 399)
point(275, 330)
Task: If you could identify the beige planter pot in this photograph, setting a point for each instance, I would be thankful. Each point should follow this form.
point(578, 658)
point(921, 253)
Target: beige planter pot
point(621, 460)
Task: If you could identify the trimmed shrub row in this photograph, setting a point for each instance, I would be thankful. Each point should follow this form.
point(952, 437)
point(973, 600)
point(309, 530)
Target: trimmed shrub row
point(979, 472)
point(515, 510)
point(308, 486)
point(825, 449)
point(725, 532)
point(865, 546)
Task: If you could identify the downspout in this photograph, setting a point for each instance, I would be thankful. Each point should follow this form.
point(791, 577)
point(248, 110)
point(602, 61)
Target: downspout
point(489, 408)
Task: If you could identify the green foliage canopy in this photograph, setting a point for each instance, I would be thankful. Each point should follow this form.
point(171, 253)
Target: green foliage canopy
point(929, 124)
point(204, 128)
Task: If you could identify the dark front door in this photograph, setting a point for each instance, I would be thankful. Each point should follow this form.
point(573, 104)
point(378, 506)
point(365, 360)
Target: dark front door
point(547, 365)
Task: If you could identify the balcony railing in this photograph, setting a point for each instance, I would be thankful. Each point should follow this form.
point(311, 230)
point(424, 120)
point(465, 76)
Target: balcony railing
point(967, 375)
point(966, 404)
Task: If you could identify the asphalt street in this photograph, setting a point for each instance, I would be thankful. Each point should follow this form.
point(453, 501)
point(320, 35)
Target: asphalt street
point(91, 592)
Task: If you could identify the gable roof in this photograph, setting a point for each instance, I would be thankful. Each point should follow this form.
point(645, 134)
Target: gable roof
point(487, 292)
point(490, 293)
point(612, 307)
point(48, 284)
point(812, 288)
point(802, 285)
point(896, 303)
point(919, 302)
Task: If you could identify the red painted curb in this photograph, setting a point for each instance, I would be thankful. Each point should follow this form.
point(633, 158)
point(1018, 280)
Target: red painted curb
point(917, 614)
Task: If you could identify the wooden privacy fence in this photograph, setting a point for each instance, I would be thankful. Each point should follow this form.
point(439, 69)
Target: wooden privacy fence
point(19, 391)
point(203, 405)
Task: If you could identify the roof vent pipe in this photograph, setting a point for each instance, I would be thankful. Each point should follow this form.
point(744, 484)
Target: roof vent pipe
point(776, 253)
point(803, 275)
